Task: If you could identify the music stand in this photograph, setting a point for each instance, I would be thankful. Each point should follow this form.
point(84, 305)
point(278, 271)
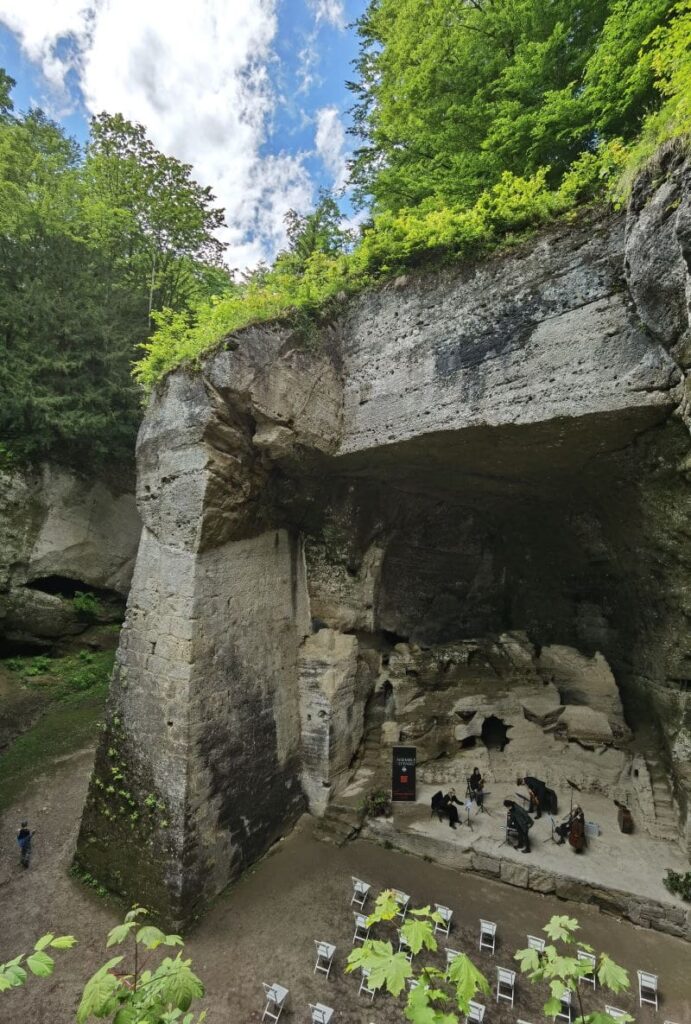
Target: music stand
point(468, 804)
point(551, 836)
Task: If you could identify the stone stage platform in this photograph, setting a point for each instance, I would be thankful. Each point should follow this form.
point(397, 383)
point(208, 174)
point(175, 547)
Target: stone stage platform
point(621, 874)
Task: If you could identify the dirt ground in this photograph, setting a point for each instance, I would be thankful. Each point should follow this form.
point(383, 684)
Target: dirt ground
point(263, 928)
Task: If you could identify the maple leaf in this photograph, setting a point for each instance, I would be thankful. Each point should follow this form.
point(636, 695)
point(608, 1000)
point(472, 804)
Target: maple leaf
point(561, 927)
point(611, 975)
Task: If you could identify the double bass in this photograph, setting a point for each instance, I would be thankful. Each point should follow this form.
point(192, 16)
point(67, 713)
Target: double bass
point(576, 835)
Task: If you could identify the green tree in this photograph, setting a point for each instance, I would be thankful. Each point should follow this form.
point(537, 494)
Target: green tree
point(320, 231)
point(433, 999)
point(90, 246)
point(146, 211)
point(147, 989)
point(141, 991)
point(450, 95)
point(562, 970)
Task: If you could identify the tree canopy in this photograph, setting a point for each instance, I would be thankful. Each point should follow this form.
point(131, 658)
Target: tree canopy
point(451, 94)
point(476, 122)
point(92, 243)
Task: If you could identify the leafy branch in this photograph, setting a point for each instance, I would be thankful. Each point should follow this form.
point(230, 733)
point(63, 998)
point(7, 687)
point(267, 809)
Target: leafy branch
point(141, 994)
point(14, 973)
point(436, 993)
point(561, 968)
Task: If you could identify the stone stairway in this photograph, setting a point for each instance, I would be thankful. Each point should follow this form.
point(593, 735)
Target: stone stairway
point(666, 825)
point(341, 822)
point(343, 819)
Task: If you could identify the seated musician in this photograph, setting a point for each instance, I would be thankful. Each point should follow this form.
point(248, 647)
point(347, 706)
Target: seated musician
point(537, 791)
point(519, 821)
point(475, 784)
point(444, 804)
point(575, 821)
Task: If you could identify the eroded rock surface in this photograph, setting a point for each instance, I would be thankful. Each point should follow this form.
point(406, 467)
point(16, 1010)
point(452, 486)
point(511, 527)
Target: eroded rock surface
point(60, 533)
point(461, 522)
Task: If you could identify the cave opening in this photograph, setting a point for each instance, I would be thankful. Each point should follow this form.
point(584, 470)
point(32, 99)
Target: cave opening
point(501, 553)
point(495, 733)
point(68, 587)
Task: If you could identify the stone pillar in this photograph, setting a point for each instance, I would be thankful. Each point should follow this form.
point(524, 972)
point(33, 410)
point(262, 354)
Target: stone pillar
point(198, 769)
point(334, 686)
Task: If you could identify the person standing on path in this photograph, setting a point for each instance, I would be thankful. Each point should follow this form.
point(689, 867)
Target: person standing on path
point(24, 840)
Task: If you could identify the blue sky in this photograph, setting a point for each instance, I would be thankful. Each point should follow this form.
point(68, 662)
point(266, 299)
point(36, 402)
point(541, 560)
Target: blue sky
point(250, 92)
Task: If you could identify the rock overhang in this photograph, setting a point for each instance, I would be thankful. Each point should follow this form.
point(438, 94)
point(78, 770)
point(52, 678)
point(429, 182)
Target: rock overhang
point(469, 451)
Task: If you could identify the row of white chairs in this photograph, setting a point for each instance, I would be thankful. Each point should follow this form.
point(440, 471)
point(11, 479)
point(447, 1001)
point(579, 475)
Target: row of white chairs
point(647, 982)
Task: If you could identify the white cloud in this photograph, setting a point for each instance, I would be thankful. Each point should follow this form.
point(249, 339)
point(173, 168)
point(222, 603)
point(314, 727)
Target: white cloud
point(196, 76)
point(330, 11)
point(329, 141)
point(308, 61)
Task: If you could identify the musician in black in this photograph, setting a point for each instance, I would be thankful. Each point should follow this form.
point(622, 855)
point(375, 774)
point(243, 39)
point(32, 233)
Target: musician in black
point(576, 816)
point(538, 794)
point(519, 821)
point(475, 784)
point(446, 806)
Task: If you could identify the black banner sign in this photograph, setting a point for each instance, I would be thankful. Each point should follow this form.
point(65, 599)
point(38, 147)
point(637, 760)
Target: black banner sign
point(403, 773)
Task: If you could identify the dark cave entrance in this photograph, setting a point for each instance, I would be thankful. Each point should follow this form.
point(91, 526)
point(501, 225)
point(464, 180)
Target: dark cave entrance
point(495, 733)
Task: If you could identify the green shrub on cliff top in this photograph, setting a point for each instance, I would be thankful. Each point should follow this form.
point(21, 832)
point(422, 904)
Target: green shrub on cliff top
point(394, 242)
point(477, 122)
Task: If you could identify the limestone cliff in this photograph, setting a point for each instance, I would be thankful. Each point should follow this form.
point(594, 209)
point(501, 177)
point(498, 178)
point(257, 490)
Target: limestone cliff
point(492, 450)
point(61, 533)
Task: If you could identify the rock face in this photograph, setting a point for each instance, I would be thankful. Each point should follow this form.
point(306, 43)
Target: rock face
point(59, 534)
point(480, 471)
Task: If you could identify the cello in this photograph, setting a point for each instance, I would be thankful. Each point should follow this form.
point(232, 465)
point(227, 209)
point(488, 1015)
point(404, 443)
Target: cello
point(577, 830)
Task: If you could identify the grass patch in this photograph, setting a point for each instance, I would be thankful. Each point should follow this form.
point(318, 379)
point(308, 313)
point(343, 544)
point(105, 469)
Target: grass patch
point(74, 689)
point(63, 678)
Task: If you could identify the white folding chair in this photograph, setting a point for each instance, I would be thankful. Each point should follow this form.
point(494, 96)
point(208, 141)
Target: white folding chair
point(360, 891)
point(476, 1013)
point(564, 1012)
point(364, 985)
point(320, 1014)
point(446, 914)
point(535, 942)
point(587, 958)
point(276, 996)
point(488, 935)
point(615, 1013)
point(506, 982)
point(325, 955)
point(404, 947)
point(451, 955)
point(403, 899)
point(647, 988)
point(361, 932)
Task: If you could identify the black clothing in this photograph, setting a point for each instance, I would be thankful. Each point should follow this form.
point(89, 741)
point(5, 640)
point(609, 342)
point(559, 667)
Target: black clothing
point(564, 830)
point(538, 790)
point(475, 788)
point(521, 822)
point(443, 805)
point(448, 808)
point(24, 840)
